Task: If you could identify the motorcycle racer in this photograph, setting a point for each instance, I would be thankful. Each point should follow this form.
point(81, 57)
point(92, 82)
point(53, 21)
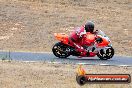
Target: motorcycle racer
point(79, 34)
point(83, 42)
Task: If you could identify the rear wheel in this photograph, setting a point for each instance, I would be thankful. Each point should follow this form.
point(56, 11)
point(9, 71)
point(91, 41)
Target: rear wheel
point(106, 54)
point(60, 50)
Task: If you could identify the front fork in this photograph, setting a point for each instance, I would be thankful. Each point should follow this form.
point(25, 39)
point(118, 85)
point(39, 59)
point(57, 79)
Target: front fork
point(97, 48)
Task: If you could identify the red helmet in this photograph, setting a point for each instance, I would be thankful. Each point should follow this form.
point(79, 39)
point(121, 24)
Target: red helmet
point(89, 27)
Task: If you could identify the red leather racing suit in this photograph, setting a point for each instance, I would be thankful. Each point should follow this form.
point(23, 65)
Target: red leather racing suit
point(77, 38)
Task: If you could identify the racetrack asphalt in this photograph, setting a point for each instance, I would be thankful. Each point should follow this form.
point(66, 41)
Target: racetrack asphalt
point(49, 57)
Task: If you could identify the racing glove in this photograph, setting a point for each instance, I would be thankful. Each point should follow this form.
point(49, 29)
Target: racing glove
point(99, 40)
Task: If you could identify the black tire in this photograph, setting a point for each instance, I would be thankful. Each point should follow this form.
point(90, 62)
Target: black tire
point(59, 50)
point(81, 80)
point(108, 55)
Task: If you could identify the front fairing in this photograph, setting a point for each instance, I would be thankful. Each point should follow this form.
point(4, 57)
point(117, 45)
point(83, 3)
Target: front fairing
point(104, 36)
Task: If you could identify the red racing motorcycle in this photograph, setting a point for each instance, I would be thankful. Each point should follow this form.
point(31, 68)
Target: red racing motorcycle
point(103, 49)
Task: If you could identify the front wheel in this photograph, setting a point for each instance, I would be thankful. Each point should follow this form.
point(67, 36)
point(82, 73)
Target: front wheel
point(106, 54)
point(60, 50)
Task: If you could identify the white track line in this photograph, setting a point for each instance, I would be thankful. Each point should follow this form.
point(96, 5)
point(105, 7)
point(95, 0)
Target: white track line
point(52, 62)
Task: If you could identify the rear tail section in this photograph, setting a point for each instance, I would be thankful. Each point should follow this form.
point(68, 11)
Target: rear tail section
point(61, 37)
